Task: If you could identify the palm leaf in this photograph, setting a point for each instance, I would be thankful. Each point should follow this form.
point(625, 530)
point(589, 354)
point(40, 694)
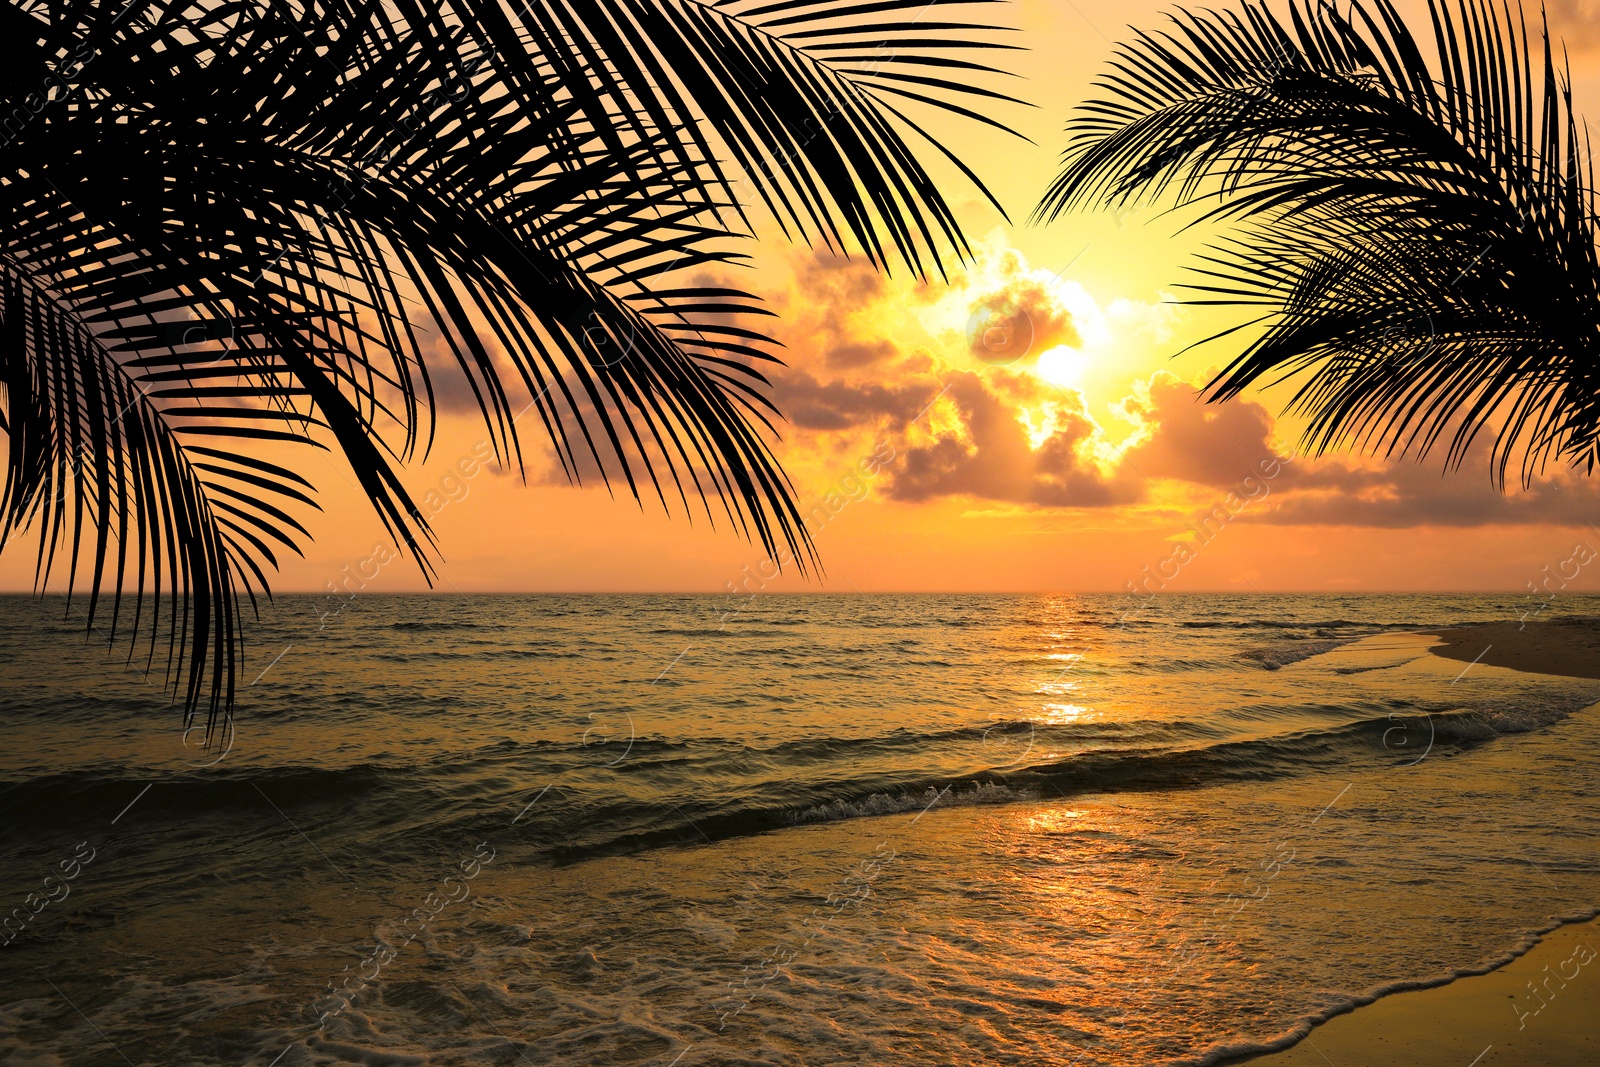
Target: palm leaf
point(236, 229)
point(1416, 230)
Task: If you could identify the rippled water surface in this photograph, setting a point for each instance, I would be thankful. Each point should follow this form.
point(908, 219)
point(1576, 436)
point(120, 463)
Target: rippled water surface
point(791, 830)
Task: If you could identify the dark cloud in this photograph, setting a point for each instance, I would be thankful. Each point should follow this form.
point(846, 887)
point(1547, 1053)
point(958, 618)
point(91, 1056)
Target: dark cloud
point(836, 282)
point(1407, 493)
point(813, 405)
point(1016, 323)
point(452, 388)
point(860, 354)
point(1223, 447)
point(995, 461)
point(1209, 444)
point(1219, 445)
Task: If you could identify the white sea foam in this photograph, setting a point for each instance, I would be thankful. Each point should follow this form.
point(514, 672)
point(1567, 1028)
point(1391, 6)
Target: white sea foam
point(894, 803)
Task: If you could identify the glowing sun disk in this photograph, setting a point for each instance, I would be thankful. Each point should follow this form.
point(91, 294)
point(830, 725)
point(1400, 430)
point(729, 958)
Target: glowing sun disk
point(1062, 365)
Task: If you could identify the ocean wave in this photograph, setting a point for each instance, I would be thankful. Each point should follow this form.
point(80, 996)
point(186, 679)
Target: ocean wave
point(1368, 625)
point(632, 795)
point(435, 656)
point(445, 626)
point(1486, 724)
point(894, 803)
point(1178, 666)
point(1396, 738)
point(1273, 657)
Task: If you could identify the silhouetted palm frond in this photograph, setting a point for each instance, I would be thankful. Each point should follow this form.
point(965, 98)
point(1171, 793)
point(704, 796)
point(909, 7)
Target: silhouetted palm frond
point(1416, 218)
point(233, 231)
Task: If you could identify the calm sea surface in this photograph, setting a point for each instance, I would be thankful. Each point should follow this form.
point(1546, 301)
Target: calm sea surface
point(790, 830)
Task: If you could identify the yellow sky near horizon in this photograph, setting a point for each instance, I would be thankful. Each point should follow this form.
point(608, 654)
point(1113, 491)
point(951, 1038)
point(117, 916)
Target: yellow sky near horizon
point(928, 461)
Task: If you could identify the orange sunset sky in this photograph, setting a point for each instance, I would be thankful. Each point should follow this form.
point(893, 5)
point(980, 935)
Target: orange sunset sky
point(1069, 470)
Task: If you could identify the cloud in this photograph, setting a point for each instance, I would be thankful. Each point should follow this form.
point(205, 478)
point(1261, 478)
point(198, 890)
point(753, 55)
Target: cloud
point(1189, 440)
point(1019, 321)
point(1218, 445)
point(1409, 493)
point(860, 354)
point(1576, 23)
point(811, 404)
point(976, 446)
point(452, 388)
point(868, 354)
point(826, 278)
point(832, 310)
point(983, 439)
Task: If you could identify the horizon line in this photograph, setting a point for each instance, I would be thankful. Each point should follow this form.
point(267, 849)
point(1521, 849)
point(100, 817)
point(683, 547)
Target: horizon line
point(31, 595)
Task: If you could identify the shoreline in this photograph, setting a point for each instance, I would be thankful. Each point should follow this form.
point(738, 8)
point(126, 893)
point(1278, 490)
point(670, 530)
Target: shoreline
point(1534, 1008)
point(1565, 647)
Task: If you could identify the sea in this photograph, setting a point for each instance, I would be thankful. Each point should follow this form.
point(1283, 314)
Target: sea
point(1067, 831)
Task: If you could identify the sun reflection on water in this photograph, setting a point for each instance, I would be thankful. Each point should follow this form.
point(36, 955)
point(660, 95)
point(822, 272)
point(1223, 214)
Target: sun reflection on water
point(1062, 714)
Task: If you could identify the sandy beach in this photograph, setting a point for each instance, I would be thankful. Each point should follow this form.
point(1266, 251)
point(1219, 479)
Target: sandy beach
point(1569, 647)
point(1537, 1011)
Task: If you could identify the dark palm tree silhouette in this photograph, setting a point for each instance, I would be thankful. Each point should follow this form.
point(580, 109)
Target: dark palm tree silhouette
point(1414, 220)
point(229, 227)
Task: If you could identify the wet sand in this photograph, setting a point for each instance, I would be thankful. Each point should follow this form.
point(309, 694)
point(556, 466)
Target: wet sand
point(1540, 1010)
point(1537, 1011)
point(1568, 647)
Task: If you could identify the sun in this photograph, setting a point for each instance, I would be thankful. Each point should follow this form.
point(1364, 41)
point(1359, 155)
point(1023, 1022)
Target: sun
point(1062, 365)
